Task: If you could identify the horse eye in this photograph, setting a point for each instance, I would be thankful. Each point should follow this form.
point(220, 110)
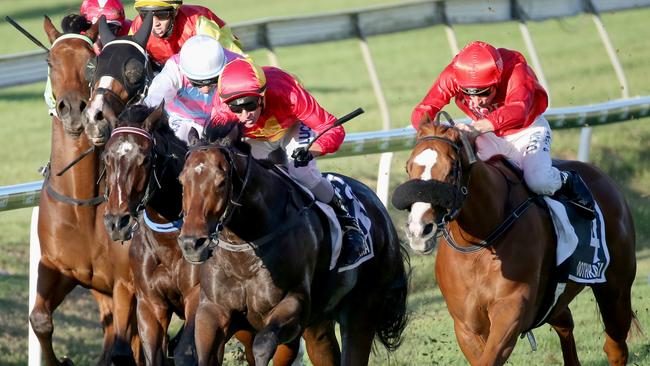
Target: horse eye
point(146, 160)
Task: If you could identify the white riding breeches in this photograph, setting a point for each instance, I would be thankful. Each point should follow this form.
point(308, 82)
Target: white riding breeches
point(297, 136)
point(530, 150)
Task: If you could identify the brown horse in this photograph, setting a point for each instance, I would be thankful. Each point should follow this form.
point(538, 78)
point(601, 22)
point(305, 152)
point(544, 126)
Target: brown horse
point(268, 261)
point(74, 247)
point(494, 284)
point(143, 161)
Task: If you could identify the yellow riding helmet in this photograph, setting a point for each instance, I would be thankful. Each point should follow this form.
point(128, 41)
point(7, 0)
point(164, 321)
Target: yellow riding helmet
point(154, 5)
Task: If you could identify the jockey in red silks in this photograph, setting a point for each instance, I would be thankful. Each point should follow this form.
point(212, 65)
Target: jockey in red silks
point(188, 84)
point(278, 113)
point(500, 93)
point(175, 23)
point(113, 10)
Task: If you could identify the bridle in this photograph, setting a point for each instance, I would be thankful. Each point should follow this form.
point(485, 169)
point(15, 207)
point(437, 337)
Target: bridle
point(232, 201)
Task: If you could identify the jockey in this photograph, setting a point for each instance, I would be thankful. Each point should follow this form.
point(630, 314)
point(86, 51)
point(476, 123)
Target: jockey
point(188, 83)
point(174, 23)
point(499, 91)
point(113, 10)
point(278, 113)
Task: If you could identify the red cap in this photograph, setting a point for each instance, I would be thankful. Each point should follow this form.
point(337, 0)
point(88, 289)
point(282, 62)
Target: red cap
point(113, 10)
point(478, 65)
point(241, 78)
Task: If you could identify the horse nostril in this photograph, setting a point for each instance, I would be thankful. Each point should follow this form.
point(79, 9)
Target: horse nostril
point(82, 106)
point(124, 221)
point(199, 243)
point(99, 116)
point(62, 107)
point(427, 229)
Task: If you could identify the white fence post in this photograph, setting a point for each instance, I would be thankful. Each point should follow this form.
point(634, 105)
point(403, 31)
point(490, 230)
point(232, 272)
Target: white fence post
point(34, 348)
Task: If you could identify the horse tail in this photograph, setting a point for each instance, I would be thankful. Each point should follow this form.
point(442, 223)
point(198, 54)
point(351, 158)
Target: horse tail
point(394, 316)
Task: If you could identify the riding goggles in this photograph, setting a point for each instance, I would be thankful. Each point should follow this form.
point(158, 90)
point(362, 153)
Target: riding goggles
point(479, 92)
point(248, 104)
point(202, 83)
point(160, 14)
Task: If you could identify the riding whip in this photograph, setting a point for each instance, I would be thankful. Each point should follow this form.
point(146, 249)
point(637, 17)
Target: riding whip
point(26, 33)
point(339, 122)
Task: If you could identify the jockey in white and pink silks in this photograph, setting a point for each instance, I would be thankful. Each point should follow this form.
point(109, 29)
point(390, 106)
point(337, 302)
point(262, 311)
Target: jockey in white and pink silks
point(188, 83)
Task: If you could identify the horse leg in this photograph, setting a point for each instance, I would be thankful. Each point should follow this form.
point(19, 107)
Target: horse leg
point(282, 326)
point(358, 328)
point(563, 325)
point(286, 354)
point(616, 309)
point(52, 287)
point(210, 333)
point(185, 350)
point(505, 325)
point(322, 346)
point(153, 321)
point(123, 306)
point(470, 342)
point(105, 304)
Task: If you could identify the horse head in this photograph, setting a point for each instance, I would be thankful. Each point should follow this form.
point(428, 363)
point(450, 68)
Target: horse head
point(119, 76)
point(436, 189)
point(207, 180)
point(66, 61)
point(130, 158)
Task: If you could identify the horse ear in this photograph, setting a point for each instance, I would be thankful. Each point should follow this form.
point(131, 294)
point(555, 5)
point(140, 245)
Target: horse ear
point(154, 117)
point(50, 30)
point(93, 31)
point(193, 137)
point(104, 31)
point(142, 35)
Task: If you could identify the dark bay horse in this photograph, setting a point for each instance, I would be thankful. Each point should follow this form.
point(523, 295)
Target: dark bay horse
point(494, 285)
point(119, 76)
point(266, 259)
point(74, 247)
point(143, 161)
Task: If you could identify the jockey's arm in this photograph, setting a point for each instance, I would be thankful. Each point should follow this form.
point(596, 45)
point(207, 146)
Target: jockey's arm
point(164, 85)
point(306, 109)
point(438, 96)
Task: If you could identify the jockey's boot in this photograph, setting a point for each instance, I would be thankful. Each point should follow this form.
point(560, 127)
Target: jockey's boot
point(353, 246)
point(576, 192)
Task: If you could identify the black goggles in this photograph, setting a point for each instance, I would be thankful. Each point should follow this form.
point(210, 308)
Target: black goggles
point(479, 92)
point(160, 14)
point(248, 106)
point(202, 83)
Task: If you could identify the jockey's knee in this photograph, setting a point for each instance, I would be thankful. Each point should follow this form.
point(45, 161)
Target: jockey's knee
point(540, 182)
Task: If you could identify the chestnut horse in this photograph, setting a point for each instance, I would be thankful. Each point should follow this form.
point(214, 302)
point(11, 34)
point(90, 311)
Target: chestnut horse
point(267, 261)
point(494, 284)
point(143, 161)
point(74, 247)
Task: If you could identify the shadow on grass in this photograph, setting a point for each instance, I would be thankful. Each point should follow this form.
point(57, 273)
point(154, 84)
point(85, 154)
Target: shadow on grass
point(22, 96)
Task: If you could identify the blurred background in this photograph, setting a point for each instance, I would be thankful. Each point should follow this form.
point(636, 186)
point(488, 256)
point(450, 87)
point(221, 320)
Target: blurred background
point(576, 69)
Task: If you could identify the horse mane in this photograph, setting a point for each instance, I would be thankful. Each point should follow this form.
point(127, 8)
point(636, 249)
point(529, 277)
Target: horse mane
point(217, 132)
point(75, 23)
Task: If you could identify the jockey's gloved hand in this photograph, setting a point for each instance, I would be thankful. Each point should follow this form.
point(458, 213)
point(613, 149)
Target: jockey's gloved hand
point(301, 157)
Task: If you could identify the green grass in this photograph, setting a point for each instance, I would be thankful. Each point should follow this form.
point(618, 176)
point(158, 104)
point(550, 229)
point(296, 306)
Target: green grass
point(575, 65)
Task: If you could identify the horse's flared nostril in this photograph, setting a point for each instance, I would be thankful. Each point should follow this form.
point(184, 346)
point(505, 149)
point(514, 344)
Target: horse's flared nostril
point(98, 116)
point(124, 221)
point(427, 229)
point(82, 106)
point(62, 108)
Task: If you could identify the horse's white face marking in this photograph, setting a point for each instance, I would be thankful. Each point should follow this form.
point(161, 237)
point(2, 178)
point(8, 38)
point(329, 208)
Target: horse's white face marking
point(426, 158)
point(124, 149)
point(98, 100)
point(199, 168)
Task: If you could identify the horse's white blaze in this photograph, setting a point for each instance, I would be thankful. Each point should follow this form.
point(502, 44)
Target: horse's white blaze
point(199, 168)
point(415, 226)
point(97, 102)
point(426, 158)
point(123, 149)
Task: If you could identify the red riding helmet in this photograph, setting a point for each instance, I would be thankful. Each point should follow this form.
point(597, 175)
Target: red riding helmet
point(113, 10)
point(241, 78)
point(478, 65)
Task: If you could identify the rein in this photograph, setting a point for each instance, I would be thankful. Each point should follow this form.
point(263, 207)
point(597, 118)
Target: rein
point(67, 199)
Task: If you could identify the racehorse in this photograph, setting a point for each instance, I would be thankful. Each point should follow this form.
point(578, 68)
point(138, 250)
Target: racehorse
point(74, 247)
point(119, 76)
point(143, 160)
point(267, 261)
point(494, 276)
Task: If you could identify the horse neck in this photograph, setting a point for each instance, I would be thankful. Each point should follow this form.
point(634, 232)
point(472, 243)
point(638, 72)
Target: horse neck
point(167, 199)
point(265, 202)
point(80, 180)
point(485, 205)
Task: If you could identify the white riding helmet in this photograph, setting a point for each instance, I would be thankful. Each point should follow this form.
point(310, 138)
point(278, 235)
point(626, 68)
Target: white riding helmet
point(202, 58)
